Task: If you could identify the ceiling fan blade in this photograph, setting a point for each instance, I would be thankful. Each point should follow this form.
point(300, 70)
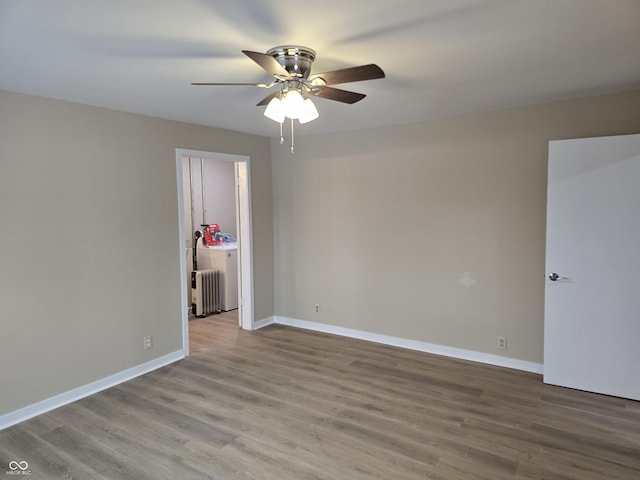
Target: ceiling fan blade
point(268, 63)
point(338, 95)
point(267, 99)
point(261, 85)
point(352, 74)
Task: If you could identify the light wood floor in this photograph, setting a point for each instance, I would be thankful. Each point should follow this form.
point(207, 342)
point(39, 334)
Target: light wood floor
point(288, 404)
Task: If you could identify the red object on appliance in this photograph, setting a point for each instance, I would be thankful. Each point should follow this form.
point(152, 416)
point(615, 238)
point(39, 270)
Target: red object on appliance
point(212, 235)
point(208, 238)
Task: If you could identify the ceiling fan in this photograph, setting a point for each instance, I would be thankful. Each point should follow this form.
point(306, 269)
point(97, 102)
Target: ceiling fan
point(290, 66)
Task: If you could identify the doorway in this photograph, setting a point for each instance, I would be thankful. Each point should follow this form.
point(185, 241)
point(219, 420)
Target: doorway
point(243, 233)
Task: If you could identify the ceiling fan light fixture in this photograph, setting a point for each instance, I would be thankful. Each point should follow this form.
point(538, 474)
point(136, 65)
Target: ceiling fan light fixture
point(292, 104)
point(274, 110)
point(309, 111)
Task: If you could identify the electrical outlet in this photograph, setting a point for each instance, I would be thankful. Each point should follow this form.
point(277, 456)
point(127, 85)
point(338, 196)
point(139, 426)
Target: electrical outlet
point(317, 308)
point(148, 342)
point(502, 343)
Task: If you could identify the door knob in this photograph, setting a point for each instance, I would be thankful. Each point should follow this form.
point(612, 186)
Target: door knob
point(554, 277)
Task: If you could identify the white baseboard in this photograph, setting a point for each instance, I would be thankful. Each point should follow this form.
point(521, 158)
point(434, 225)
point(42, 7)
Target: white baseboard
point(65, 398)
point(263, 323)
point(414, 345)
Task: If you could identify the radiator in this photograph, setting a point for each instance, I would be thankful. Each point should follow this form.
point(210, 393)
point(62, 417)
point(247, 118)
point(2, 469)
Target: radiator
point(205, 292)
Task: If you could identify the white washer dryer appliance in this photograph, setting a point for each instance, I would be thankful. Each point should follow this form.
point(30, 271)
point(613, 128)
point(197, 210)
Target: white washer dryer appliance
point(223, 257)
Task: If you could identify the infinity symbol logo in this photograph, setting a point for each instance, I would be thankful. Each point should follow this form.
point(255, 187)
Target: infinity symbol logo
point(13, 465)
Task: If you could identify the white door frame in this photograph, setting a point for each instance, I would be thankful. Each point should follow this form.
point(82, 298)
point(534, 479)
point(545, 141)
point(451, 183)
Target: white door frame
point(245, 244)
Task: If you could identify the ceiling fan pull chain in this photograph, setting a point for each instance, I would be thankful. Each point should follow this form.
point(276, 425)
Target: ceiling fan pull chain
point(281, 136)
point(292, 138)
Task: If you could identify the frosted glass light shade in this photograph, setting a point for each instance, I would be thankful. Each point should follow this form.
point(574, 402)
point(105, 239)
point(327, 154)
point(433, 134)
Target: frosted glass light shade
point(274, 110)
point(309, 112)
point(292, 104)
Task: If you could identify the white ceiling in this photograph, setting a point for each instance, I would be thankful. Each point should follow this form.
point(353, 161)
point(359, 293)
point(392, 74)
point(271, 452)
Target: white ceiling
point(441, 57)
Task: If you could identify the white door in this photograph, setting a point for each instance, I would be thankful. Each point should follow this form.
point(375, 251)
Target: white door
point(592, 294)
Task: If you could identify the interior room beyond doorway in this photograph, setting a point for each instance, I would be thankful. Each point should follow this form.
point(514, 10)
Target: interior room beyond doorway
point(215, 184)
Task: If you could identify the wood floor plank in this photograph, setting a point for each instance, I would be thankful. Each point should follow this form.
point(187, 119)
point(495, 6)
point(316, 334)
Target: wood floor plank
point(284, 403)
point(45, 461)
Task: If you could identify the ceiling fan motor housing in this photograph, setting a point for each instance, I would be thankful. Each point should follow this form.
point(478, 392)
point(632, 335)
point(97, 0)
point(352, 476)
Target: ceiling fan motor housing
point(294, 59)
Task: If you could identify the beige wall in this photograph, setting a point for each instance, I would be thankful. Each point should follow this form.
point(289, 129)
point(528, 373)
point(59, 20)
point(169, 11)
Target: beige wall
point(432, 232)
point(89, 242)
